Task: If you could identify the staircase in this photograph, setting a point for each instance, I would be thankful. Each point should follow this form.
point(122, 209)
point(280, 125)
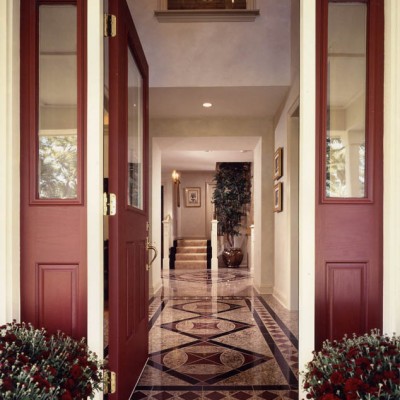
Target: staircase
point(191, 254)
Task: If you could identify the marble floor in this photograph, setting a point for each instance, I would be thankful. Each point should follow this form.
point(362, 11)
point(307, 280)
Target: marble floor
point(212, 337)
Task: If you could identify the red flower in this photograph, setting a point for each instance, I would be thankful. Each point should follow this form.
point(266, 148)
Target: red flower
point(352, 385)
point(390, 375)
point(363, 362)
point(353, 351)
point(337, 378)
point(330, 396)
point(76, 371)
point(66, 396)
point(70, 384)
point(7, 384)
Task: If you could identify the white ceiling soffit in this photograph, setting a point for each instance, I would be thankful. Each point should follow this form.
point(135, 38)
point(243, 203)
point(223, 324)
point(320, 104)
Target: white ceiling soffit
point(202, 153)
point(238, 102)
point(201, 160)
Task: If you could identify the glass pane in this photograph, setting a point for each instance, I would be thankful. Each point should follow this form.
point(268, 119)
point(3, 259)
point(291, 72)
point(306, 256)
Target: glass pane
point(58, 145)
point(206, 4)
point(135, 135)
point(346, 90)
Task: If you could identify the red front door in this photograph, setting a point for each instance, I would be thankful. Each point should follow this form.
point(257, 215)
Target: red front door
point(128, 179)
point(53, 204)
point(349, 203)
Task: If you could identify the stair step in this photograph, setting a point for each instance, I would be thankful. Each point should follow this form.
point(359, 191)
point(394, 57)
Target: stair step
point(191, 256)
point(192, 242)
point(190, 264)
point(192, 249)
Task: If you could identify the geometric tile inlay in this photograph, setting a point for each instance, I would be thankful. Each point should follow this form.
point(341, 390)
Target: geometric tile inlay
point(202, 307)
point(214, 396)
point(234, 346)
point(206, 363)
point(205, 327)
point(208, 277)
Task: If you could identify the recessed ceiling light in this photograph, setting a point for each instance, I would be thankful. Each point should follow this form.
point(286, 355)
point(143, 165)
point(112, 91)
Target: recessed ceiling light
point(207, 105)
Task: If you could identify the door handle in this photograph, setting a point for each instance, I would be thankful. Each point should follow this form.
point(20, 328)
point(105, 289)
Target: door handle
point(151, 247)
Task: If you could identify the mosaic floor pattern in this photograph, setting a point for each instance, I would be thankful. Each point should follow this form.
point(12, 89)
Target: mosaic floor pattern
point(218, 347)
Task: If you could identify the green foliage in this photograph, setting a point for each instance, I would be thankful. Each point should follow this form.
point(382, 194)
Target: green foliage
point(58, 166)
point(231, 195)
point(35, 365)
point(362, 367)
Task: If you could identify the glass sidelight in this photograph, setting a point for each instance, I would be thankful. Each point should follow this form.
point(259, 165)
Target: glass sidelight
point(135, 134)
point(57, 135)
point(345, 163)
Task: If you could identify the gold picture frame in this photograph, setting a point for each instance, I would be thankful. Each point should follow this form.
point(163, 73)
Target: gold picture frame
point(278, 193)
point(192, 197)
point(278, 157)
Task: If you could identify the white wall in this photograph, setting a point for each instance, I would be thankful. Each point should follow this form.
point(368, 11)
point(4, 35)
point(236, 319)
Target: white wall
point(286, 222)
point(192, 221)
point(155, 221)
point(263, 154)
point(283, 220)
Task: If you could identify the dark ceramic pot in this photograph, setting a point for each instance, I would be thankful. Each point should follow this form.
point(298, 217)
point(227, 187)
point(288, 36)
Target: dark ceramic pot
point(232, 257)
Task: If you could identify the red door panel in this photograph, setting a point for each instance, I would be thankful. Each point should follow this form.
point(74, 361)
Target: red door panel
point(53, 230)
point(128, 179)
point(349, 255)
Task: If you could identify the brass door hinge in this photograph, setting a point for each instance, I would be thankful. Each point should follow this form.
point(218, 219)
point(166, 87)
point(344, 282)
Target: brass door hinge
point(110, 25)
point(109, 204)
point(109, 382)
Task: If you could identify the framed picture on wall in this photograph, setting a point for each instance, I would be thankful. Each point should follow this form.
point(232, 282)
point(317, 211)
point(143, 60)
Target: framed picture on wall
point(278, 172)
point(192, 197)
point(278, 188)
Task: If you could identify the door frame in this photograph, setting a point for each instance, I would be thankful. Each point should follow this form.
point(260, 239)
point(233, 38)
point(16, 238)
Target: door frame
point(10, 177)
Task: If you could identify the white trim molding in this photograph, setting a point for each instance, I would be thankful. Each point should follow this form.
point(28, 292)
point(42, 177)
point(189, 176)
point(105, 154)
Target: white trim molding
point(391, 213)
point(227, 15)
point(307, 183)
point(95, 257)
point(9, 161)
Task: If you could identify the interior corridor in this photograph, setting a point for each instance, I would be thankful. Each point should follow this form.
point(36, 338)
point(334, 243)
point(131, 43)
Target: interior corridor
point(213, 337)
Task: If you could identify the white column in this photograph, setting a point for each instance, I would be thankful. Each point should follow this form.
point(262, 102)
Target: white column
point(391, 196)
point(9, 161)
point(166, 241)
point(95, 259)
point(214, 245)
point(307, 183)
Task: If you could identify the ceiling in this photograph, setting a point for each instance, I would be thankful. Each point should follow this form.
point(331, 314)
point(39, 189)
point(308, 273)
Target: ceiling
point(243, 69)
point(237, 102)
point(201, 154)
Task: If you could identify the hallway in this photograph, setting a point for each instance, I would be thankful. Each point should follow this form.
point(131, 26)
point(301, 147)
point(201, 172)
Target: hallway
point(212, 337)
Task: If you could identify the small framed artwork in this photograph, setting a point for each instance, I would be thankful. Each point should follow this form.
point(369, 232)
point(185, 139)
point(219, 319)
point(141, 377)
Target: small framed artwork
point(278, 188)
point(278, 156)
point(192, 197)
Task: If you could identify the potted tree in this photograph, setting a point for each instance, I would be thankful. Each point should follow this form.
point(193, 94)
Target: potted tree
point(231, 196)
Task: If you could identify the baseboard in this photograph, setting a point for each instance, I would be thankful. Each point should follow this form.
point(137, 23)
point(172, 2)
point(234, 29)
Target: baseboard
point(282, 299)
point(153, 290)
point(264, 289)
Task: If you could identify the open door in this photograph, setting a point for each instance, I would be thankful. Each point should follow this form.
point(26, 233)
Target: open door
point(128, 180)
